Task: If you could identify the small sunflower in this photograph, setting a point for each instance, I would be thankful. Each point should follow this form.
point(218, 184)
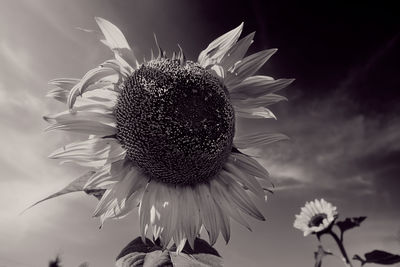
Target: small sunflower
point(162, 135)
point(315, 217)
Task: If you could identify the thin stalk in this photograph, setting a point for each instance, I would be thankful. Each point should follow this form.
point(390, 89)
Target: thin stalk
point(341, 247)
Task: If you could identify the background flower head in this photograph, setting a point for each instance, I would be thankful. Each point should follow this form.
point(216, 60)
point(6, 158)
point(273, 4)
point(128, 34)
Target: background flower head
point(315, 217)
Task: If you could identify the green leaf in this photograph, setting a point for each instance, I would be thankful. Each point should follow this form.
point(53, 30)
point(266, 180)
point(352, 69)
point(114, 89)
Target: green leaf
point(200, 247)
point(350, 223)
point(138, 253)
point(157, 258)
point(379, 257)
point(97, 193)
point(137, 245)
point(195, 260)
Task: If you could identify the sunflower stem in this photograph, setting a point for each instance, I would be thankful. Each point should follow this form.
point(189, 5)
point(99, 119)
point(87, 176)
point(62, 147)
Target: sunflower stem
point(342, 249)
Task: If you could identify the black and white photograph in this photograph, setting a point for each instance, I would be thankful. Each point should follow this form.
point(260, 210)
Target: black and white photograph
point(177, 133)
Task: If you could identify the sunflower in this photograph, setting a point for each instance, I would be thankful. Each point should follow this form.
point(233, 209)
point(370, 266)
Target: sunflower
point(315, 217)
point(162, 135)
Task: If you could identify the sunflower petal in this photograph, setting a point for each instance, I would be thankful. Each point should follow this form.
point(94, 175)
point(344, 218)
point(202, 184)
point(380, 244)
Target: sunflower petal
point(246, 180)
point(241, 199)
point(190, 219)
point(75, 186)
point(64, 85)
point(109, 174)
point(208, 211)
point(114, 200)
point(237, 51)
point(118, 66)
point(84, 127)
point(258, 139)
point(248, 66)
point(262, 101)
point(92, 152)
point(116, 40)
point(91, 77)
point(256, 86)
point(222, 198)
point(249, 165)
point(66, 116)
point(255, 113)
point(219, 47)
point(113, 35)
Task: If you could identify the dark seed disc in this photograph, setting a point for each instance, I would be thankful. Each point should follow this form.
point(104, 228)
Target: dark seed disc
point(175, 121)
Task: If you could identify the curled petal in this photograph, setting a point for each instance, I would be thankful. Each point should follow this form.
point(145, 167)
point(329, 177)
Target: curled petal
point(90, 78)
point(63, 87)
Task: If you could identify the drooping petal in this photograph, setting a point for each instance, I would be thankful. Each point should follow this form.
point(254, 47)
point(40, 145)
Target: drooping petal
point(257, 86)
point(171, 219)
point(208, 211)
point(219, 47)
point(91, 77)
point(61, 92)
point(114, 199)
point(240, 198)
point(248, 66)
point(253, 140)
point(221, 196)
point(190, 219)
point(124, 69)
point(245, 179)
point(65, 83)
point(249, 165)
point(75, 186)
point(109, 174)
point(145, 207)
point(237, 51)
point(116, 40)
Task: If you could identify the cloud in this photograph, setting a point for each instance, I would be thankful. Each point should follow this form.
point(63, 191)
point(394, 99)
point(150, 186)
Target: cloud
point(336, 151)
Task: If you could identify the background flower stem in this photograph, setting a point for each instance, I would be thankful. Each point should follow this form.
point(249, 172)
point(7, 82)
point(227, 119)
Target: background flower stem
point(339, 242)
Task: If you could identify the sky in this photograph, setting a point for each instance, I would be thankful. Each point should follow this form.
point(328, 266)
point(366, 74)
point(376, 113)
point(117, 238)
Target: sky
point(342, 117)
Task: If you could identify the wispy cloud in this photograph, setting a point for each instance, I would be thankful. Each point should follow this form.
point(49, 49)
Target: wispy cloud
point(337, 150)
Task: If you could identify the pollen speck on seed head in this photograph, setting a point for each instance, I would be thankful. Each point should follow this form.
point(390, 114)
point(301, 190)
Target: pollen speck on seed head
point(175, 121)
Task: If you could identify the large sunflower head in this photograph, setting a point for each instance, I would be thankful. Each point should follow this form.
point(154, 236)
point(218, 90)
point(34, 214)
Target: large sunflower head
point(162, 135)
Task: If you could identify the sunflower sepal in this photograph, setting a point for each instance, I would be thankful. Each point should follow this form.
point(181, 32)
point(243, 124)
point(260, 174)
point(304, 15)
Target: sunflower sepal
point(327, 230)
point(152, 253)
